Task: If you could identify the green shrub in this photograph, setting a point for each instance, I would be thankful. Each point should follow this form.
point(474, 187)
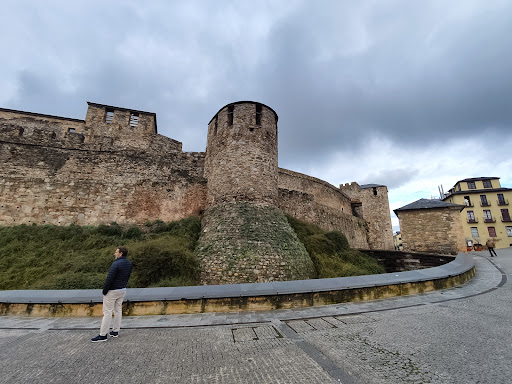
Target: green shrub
point(132, 233)
point(75, 257)
point(163, 258)
point(331, 253)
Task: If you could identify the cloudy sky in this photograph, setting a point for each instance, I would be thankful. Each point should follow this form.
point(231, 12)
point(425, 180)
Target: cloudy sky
point(410, 94)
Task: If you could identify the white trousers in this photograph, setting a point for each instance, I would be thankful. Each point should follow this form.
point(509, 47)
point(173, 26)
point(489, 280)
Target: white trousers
point(112, 301)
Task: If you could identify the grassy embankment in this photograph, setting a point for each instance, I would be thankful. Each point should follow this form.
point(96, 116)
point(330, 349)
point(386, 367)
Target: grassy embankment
point(74, 257)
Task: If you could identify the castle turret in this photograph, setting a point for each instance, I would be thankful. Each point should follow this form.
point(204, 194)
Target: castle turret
point(241, 154)
point(245, 237)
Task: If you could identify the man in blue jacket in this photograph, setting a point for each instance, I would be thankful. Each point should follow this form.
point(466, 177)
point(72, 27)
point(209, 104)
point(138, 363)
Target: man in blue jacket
point(114, 292)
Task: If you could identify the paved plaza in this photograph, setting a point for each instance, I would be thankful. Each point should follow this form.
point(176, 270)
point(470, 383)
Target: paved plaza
point(459, 335)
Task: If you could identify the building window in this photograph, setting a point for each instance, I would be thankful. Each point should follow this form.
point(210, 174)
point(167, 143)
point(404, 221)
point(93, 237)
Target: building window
point(258, 114)
point(471, 185)
point(492, 231)
point(501, 199)
point(71, 130)
point(134, 119)
point(474, 232)
point(231, 108)
point(109, 115)
point(505, 216)
point(471, 217)
point(467, 201)
point(487, 216)
point(509, 231)
point(215, 126)
point(487, 184)
point(483, 201)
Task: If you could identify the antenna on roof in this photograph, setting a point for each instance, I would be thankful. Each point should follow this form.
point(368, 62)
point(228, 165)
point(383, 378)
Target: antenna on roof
point(441, 191)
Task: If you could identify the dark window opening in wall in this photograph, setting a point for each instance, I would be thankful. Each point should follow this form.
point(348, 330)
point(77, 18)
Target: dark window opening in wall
point(71, 130)
point(374, 191)
point(109, 115)
point(20, 131)
point(53, 135)
point(134, 119)
point(501, 199)
point(215, 126)
point(258, 114)
point(471, 217)
point(231, 108)
point(483, 200)
point(471, 185)
point(492, 231)
point(487, 184)
point(488, 216)
point(467, 201)
point(505, 215)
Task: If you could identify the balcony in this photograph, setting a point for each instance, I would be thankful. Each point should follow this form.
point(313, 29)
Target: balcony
point(491, 220)
point(474, 220)
point(486, 204)
point(503, 202)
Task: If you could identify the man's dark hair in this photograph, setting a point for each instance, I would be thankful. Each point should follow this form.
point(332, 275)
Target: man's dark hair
point(123, 250)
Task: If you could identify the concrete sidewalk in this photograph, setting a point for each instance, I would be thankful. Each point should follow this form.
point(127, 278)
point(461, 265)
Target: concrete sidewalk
point(458, 335)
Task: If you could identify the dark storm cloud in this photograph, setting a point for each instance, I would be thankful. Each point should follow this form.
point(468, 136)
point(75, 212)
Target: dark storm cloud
point(338, 73)
point(425, 81)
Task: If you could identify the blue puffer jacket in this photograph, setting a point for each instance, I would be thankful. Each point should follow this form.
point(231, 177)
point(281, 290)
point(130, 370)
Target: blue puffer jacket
point(118, 275)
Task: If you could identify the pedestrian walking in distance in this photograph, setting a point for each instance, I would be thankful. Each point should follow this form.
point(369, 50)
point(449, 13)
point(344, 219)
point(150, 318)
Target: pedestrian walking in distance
point(490, 246)
point(114, 292)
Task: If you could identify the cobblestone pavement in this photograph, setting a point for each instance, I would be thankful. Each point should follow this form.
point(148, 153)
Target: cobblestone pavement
point(458, 335)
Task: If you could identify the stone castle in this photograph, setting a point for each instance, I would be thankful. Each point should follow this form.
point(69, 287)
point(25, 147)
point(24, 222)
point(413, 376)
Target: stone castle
point(114, 166)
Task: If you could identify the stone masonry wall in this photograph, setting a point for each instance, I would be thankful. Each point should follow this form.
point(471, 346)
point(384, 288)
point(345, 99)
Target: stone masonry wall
point(432, 230)
point(54, 176)
point(241, 156)
point(246, 242)
point(303, 206)
point(323, 192)
point(374, 209)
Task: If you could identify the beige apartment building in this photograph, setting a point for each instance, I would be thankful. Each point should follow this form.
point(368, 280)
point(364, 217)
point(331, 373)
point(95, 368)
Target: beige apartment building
point(486, 210)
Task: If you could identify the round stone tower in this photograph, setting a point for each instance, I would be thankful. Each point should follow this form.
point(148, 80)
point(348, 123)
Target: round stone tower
point(244, 236)
point(241, 154)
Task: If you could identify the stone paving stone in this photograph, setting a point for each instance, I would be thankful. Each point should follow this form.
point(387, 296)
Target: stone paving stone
point(319, 324)
point(266, 332)
point(300, 326)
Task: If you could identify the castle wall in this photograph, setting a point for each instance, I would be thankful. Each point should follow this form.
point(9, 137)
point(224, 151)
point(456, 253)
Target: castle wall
point(323, 192)
point(372, 204)
point(241, 154)
point(55, 176)
point(114, 166)
point(432, 230)
point(303, 206)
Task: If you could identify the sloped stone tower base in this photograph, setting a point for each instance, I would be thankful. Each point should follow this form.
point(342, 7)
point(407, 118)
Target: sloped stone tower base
point(246, 243)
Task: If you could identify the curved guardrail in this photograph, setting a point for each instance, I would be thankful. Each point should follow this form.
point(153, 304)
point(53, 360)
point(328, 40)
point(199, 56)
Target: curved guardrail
point(238, 297)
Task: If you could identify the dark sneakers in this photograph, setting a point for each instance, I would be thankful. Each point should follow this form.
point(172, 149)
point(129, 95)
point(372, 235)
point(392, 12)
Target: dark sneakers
point(114, 334)
point(99, 338)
